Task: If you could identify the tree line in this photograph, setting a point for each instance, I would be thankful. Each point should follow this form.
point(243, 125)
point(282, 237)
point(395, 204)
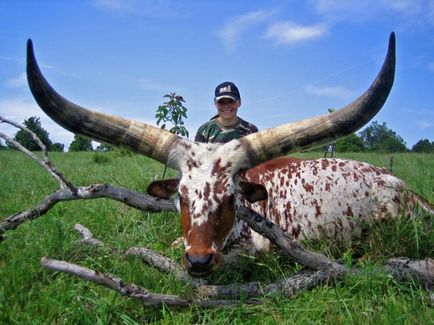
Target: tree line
point(374, 138)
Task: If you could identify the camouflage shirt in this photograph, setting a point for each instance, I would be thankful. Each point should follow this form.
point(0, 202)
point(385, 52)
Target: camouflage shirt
point(213, 132)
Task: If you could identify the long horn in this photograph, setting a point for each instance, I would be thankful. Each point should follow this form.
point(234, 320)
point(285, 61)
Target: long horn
point(142, 138)
point(312, 132)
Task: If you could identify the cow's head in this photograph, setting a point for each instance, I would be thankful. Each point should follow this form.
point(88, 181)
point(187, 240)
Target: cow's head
point(208, 186)
point(207, 191)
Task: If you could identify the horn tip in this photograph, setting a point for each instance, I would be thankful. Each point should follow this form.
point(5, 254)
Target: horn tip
point(29, 45)
point(30, 53)
point(392, 40)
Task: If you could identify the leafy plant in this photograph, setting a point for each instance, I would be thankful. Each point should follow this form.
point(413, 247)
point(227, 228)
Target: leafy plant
point(100, 158)
point(173, 111)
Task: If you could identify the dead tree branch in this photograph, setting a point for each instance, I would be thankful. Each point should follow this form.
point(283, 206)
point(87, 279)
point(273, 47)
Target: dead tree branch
point(399, 268)
point(164, 264)
point(289, 286)
point(291, 247)
point(137, 200)
point(87, 236)
point(68, 191)
point(45, 162)
point(131, 290)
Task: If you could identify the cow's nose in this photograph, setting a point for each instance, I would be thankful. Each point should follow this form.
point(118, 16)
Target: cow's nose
point(199, 264)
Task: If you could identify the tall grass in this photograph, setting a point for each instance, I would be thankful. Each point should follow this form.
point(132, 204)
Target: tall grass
point(30, 294)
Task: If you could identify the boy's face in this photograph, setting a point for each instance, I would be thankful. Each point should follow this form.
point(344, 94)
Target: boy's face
point(227, 108)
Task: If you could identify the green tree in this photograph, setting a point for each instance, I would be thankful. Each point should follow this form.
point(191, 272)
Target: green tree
point(423, 146)
point(351, 143)
point(379, 138)
point(173, 112)
point(80, 144)
point(33, 124)
point(57, 147)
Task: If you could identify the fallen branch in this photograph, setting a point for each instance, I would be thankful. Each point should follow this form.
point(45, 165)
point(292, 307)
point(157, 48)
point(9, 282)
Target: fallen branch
point(399, 268)
point(45, 162)
point(403, 268)
point(87, 236)
point(289, 286)
point(137, 200)
point(304, 280)
point(164, 264)
point(291, 247)
point(131, 290)
point(68, 191)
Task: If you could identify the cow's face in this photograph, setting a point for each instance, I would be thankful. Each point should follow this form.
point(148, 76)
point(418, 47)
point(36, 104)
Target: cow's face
point(207, 190)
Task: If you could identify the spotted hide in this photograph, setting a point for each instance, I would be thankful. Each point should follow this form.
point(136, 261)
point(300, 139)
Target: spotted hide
point(329, 198)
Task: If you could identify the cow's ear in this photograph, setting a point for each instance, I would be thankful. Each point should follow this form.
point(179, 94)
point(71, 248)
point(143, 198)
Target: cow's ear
point(253, 192)
point(163, 189)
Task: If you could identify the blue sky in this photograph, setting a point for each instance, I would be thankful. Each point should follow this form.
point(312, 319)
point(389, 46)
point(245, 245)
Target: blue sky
point(291, 59)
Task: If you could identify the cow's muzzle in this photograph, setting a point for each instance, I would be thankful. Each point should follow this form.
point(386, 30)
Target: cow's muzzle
point(199, 265)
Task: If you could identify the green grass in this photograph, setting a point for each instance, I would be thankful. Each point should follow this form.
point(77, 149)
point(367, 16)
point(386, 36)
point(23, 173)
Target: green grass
point(31, 294)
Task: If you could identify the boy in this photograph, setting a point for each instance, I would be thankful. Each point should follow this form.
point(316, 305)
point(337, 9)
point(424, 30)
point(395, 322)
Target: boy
point(226, 125)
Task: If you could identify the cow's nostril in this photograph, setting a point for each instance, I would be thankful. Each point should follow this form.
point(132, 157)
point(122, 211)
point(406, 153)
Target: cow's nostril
point(199, 263)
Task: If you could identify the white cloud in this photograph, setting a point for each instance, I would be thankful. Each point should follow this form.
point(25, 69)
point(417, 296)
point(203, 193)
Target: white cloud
point(17, 82)
point(233, 29)
point(424, 124)
point(289, 33)
point(338, 92)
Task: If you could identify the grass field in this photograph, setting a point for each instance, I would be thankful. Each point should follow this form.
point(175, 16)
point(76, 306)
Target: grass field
point(30, 294)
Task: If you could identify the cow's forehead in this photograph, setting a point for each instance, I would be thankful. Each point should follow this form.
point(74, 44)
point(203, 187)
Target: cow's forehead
point(196, 159)
point(207, 176)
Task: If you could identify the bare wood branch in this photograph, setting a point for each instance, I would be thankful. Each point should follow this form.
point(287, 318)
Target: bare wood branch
point(403, 268)
point(87, 236)
point(137, 200)
point(131, 290)
point(291, 247)
point(64, 183)
point(164, 264)
point(289, 286)
point(33, 135)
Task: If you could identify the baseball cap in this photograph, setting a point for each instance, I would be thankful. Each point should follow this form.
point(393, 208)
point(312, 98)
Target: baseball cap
point(226, 90)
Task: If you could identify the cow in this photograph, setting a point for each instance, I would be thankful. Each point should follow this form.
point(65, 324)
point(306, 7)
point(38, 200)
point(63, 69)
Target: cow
point(304, 197)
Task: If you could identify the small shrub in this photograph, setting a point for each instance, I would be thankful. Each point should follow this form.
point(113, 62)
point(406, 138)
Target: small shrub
point(100, 158)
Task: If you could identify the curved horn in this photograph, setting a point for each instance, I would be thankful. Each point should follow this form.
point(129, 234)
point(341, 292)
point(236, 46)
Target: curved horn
point(292, 137)
point(142, 138)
